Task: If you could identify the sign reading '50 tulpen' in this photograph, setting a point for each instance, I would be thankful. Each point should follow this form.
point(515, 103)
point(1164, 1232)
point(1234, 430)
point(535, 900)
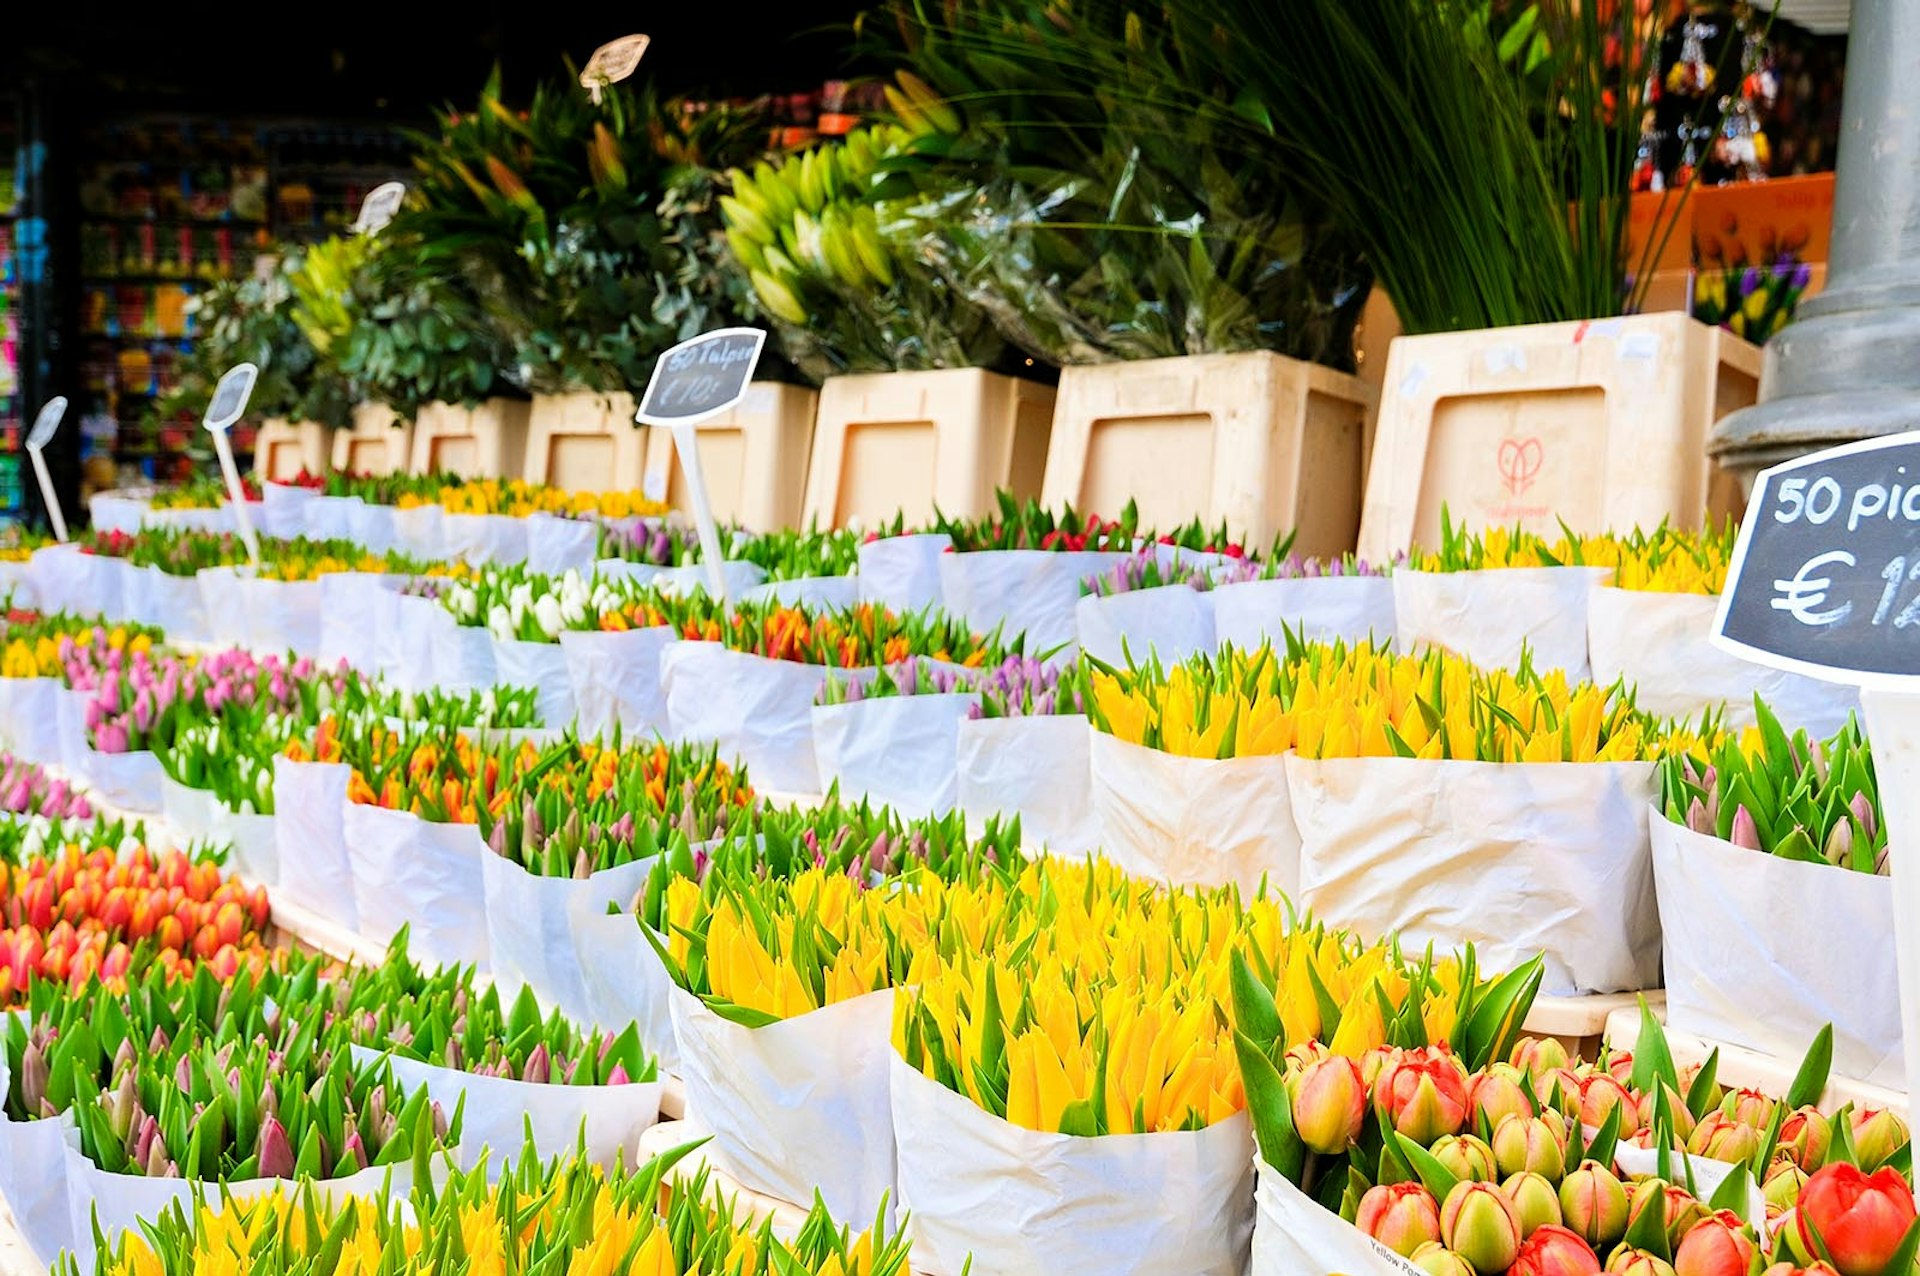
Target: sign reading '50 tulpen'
point(1825, 578)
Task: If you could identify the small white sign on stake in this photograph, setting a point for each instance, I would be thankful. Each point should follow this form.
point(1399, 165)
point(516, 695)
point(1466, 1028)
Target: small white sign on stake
point(612, 62)
point(381, 206)
point(695, 380)
point(45, 426)
point(229, 404)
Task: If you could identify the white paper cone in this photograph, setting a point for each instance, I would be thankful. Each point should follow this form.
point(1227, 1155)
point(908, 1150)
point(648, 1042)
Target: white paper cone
point(1761, 952)
point(902, 573)
point(757, 710)
point(112, 512)
point(530, 928)
point(414, 532)
point(30, 710)
point(542, 666)
point(1036, 768)
point(556, 545)
point(816, 593)
point(899, 751)
point(228, 621)
point(151, 597)
point(740, 578)
point(1661, 645)
point(1893, 726)
point(1195, 821)
point(497, 1112)
point(623, 980)
point(1322, 609)
point(1021, 591)
point(616, 679)
point(33, 1181)
point(415, 873)
point(484, 538)
point(1027, 1203)
point(1488, 616)
point(1170, 622)
point(309, 803)
point(1515, 858)
point(284, 615)
point(331, 518)
point(436, 651)
point(1293, 1236)
point(70, 726)
point(798, 1105)
point(283, 510)
point(357, 612)
point(64, 579)
point(16, 585)
point(130, 781)
point(187, 813)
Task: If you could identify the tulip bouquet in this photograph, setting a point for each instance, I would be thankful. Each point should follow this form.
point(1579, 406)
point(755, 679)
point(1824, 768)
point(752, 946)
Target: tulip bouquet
point(517, 498)
point(27, 789)
point(1027, 524)
point(399, 489)
point(42, 647)
point(914, 676)
point(1813, 801)
point(147, 699)
point(18, 544)
point(304, 559)
point(1296, 567)
point(792, 554)
point(1672, 562)
point(176, 552)
point(516, 605)
point(202, 492)
point(569, 1216)
point(1148, 570)
point(1501, 548)
point(651, 544)
point(1021, 686)
point(73, 906)
point(857, 637)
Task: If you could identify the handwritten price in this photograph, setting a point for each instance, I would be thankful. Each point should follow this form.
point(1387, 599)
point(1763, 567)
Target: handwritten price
point(1802, 596)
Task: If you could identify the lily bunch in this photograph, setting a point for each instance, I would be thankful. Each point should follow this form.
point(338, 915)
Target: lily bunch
point(1026, 524)
point(1813, 801)
point(569, 1216)
point(73, 906)
point(1097, 1003)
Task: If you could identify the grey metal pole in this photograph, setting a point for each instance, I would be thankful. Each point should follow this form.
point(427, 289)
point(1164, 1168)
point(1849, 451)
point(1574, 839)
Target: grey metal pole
point(1848, 366)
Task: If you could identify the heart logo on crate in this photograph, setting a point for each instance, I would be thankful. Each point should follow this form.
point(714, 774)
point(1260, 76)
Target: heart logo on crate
point(1519, 461)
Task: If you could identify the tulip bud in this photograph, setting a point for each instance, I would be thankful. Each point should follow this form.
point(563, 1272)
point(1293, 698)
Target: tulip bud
point(538, 1068)
point(1538, 1056)
point(1593, 1205)
point(275, 1154)
point(157, 1163)
point(125, 1105)
point(1877, 1135)
point(1804, 1138)
point(1721, 1138)
point(1863, 813)
point(356, 1149)
point(1478, 1223)
point(1602, 1095)
point(1423, 1095)
point(1402, 1216)
point(34, 1076)
point(1466, 1157)
point(1860, 1218)
point(1718, 1245)
point(1677, 1206)
point(1329, 1105)
point(1745, 834)
point(1437, 1260)
point(1555, 1251)
point(1535, 1202)
point(1783, 1185)
point(1495, 1094)
point(1838, 848)
point(1529, 1144)
point(1638, 1262)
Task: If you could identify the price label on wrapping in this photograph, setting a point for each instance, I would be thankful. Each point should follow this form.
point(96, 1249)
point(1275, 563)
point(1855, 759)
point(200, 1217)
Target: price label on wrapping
point(1825, 578)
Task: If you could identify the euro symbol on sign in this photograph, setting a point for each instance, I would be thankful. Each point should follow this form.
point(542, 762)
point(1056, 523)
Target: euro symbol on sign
point(1802, 595)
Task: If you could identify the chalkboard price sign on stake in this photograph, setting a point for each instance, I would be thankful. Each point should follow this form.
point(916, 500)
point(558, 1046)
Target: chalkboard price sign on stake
point(45, 426)
point(612, 62)
point(229, 405)
point(696, 380)
point(381, 206)
point(1825, 577)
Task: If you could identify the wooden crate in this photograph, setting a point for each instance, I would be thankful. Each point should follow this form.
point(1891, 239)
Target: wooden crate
point(282, 449)
point(754, 458)
point(1602, 424)
point(487, 440)
point(1264, 443)
point(376, 443)
point(908, 441)
point(585, 442)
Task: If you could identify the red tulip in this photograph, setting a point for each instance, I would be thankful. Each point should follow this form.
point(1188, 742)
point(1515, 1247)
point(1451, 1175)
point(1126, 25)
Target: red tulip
point(1401, 1216)
point(1860, 1218)
point(1423, 1095)
point(1555, 1251)
point(1717, 1245)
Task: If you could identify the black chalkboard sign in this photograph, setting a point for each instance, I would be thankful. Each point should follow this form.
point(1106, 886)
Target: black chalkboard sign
point(702, 377)
point(1825, 578)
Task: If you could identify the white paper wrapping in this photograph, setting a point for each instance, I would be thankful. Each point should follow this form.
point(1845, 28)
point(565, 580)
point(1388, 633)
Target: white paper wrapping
point(309, 803)
point(1027, 1203)
point(130, 781)
point(415, 873)
point(437, 651)
point(616, 679)
point(1488, 616)
point(1030, 591)
point(556, 545)
point(1293, 1236)
point(283, 615)
point(1036, 768)
point(484, 538)
point(16, 584)
point(1893, 725)
point(900, 751)
point(117, 1203)
point(152, 597)
point(816, 593)
point(542, 666)
point(382, 528)
point(1170, 622)
point(331, 518)
point(33, 1180)
point(112, 512)
point(797, 1105)
point(64, 579)
point(1515, 858)
point(530, 928)
point(623, 979)
point(1195, 821)
point(283, 510)
point(756, 709)
point(1661, 645)
point(196, 816)
point(902, 573)
point(70, 727)
point(30, 711)
point(228, 622)
point(357, 614)
point(1761, 952)
point(1321, 609)
point(498, 1110)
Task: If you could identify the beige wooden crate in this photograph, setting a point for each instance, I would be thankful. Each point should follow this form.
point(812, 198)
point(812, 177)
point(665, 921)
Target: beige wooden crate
point(754, 458)
point(1602, 424)
point(585, 442)
point(908, 441)
point(376, 443)
point(1261, 442)
point(282, 449)
point(487, 440)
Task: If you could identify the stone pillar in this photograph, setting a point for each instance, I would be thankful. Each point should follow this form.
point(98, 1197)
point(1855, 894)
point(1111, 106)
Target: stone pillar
point(1848, 366)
